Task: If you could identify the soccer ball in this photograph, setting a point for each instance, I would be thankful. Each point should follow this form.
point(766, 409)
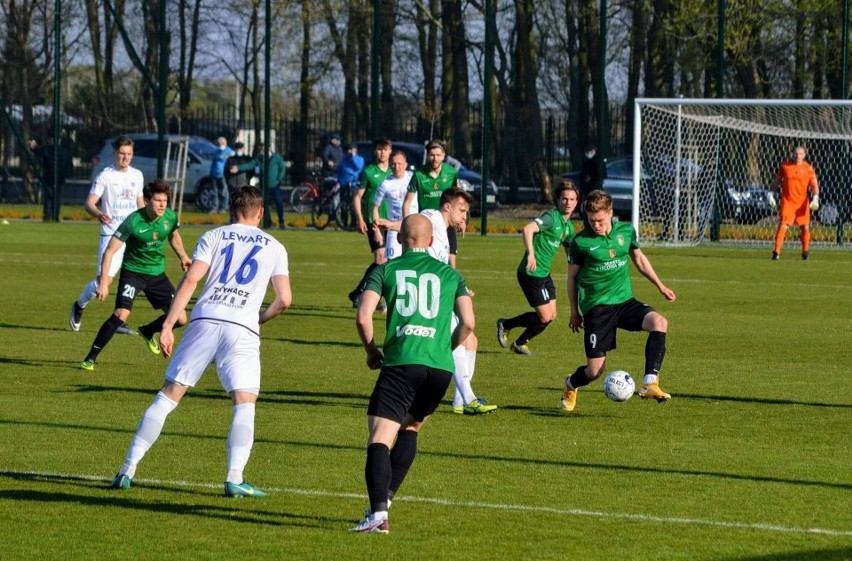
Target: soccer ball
point(619, 386)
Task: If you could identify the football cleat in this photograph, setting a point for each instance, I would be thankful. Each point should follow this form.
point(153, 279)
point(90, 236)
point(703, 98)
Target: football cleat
point(382, 307)
point(569, 398)
point(124, 330)
point(244, 489)
point(153, 345)
point(75, 319)
point(458, 410)
point(805, 255)
point(502, 333)
point(653, 391)
point(478, 407)
point(354, 297)
point(521, 349)
point(88, 364)
point(121, 481)
point(775, 256)
point(369, 525)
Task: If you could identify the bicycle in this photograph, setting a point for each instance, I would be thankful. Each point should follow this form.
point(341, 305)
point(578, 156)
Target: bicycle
point(334, 203)
point(302, 196)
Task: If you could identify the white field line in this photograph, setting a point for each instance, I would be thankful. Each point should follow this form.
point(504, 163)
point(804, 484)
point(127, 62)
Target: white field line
point(472, 504)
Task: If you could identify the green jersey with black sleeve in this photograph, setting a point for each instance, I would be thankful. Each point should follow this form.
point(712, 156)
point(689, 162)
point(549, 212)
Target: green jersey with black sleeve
point(371, 178)
point(145, 238)
point(421, 294)
point(429, 188)
point(553, 231)
point(604, 261)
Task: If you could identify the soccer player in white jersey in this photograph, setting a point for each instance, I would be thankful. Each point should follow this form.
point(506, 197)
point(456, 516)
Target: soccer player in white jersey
point(393, 190)
point(239, 261)
point(452, 213)
point(118, 189)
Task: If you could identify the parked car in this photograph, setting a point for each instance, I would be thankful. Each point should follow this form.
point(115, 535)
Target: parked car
point(743, 204)
point(198, 186)
point(468, 179)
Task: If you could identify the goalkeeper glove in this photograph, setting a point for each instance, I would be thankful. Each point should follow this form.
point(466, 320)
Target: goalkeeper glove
point(770, 198)
point(815, 202)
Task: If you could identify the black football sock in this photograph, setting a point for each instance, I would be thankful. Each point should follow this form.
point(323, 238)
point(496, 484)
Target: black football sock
point(104, 335)
point(154, 327)
point(377, 472)
point(578, 379)
point(531, 331)
point(527, 319)
point(655, 351)
point(401, 457)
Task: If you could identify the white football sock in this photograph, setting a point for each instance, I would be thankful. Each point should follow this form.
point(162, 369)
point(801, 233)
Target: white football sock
point(90, 291)
point(149, 430)
point(461, 375)
point(649, 379)
point(240, 441)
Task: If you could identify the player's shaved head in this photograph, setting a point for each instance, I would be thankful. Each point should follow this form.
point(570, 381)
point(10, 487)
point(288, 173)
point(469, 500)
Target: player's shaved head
point(415, 232)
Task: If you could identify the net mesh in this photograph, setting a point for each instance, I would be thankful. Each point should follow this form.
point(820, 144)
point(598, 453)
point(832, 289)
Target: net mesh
point(707, 167)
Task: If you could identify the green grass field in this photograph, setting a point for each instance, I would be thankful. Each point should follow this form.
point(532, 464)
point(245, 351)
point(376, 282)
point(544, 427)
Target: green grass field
point(752, 459)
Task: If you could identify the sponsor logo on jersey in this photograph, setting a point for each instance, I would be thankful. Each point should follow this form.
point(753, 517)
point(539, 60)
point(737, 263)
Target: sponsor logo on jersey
point(594, 247)
point(620, 239)
point(415, 330)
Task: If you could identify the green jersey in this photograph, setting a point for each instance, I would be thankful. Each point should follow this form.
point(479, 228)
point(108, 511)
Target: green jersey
point(429, 188)
point(553, 231)
point(604, 276)
point(371, 178)
point(421, 294)
point(145, 239)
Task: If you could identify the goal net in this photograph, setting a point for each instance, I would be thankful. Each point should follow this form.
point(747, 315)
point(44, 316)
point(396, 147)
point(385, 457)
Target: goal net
point(702, 168)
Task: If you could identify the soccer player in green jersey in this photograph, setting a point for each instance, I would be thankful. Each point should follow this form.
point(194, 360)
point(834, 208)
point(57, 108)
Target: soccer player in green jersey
point(144, 232)
point(542, 238)
point(362, 202)
point(599, 287)
point(427, 185)
point(416, 368)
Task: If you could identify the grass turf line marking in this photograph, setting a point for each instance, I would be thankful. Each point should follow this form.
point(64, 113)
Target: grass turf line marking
point(468, 504)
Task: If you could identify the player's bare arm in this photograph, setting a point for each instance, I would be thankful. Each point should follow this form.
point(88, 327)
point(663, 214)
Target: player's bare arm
point(643, 264)
point(91, 206)
point(529, 231)
point(356, 205)
point(283, 298)
point(406, 204)
point(364, 323)
point(185, 289)
point(467, 321)
point(576, 320)
point(389, 224)
point(105, 280)
point(177, 245)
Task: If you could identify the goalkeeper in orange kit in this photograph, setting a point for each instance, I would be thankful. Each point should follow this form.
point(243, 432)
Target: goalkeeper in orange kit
point(795, 177)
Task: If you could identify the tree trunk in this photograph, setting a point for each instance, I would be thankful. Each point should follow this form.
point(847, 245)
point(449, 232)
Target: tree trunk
point(459, 116)
point(388, 25)
point(300, 157)
point(427, 42)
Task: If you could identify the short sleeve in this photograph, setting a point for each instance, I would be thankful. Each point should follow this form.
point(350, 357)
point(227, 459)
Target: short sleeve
point(375, 280)
point(125, 229)
point(462, 289)
point(204, 248)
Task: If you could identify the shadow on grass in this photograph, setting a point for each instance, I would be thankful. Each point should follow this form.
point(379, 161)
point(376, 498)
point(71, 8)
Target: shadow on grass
point(282, 397)
point(839, 554)
point(264, 517)
point(476, 457)
point(735, 399)
point(34, 327)
point(315, 343)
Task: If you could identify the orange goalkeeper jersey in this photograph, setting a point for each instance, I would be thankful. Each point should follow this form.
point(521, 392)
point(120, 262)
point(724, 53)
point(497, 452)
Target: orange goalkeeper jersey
point(795, 180)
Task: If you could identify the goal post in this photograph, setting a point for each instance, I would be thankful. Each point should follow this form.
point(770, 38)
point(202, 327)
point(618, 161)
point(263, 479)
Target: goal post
point(702, 169)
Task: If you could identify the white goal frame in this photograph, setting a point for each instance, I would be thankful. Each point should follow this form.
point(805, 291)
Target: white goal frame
point(838, 130)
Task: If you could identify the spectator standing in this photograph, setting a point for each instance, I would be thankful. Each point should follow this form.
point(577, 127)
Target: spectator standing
point(277, 171)
point(590, 177)
point(217, 174)
point(332, 155)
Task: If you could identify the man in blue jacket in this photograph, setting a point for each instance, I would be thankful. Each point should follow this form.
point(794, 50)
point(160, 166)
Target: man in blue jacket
point(217, 174)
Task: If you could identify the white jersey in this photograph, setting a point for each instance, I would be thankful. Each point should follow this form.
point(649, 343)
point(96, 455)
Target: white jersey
point(393, 190)
point(440, 248)
point(118, 192)
point(242, 259)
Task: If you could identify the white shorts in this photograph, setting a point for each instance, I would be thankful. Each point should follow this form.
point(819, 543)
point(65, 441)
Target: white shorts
point(393, 247)
point(234, 349)
point(117, 259)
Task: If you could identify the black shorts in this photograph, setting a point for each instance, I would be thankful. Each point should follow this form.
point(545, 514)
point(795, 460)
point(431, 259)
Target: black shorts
point(453, 240)
point(371, 237)
point(157, 288)
point(538, 290)
point(601, 322)
point(408, 388)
